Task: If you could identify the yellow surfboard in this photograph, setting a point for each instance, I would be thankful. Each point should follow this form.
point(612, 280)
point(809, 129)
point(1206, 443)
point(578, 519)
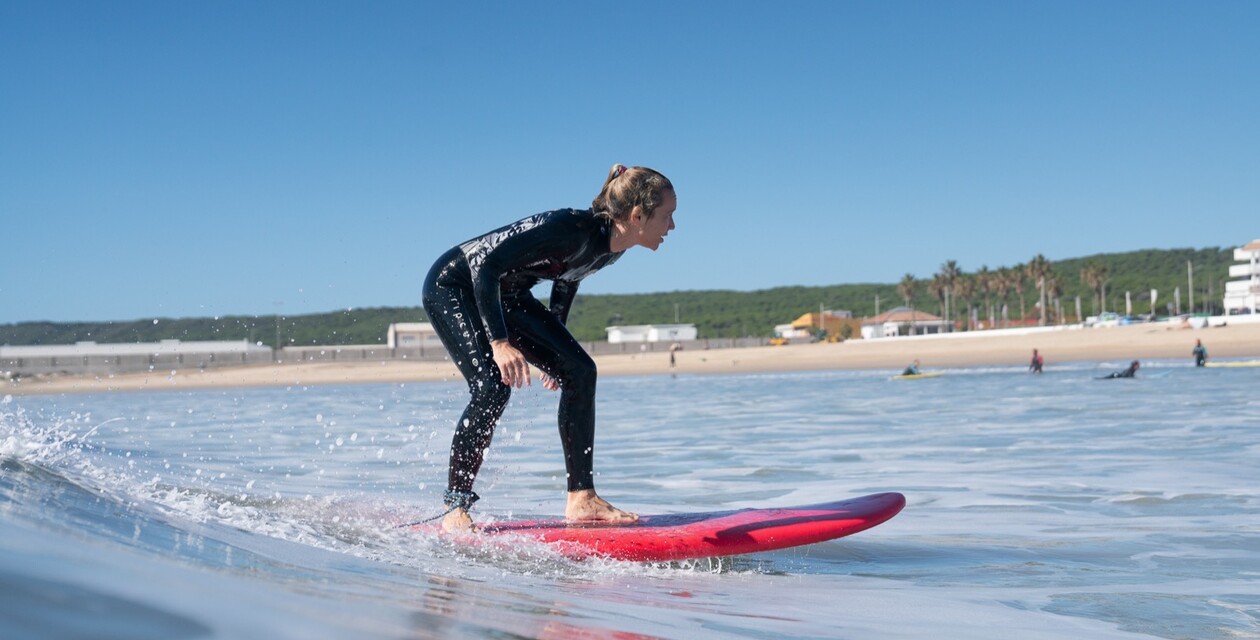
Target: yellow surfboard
point(917, 376)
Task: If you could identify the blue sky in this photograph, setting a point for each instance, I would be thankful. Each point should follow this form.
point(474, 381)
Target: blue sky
point(168, 159)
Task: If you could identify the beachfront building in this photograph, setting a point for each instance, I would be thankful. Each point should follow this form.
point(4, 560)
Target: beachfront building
point(652, 333)
point(791, 331)
point(1242, 294)
point(902, 321)
point(412, 335)
point(832, 323)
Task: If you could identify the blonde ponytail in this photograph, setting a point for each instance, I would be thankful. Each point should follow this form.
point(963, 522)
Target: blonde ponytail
point(630, 187)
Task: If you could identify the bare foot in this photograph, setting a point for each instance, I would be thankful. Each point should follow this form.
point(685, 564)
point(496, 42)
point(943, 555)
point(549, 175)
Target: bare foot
point(458, 521)
point(585, 506)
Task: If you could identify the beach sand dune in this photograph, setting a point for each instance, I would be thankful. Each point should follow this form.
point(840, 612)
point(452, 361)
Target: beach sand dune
point(997, 348)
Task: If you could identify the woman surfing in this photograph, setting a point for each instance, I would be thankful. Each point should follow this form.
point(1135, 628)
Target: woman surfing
point(477, 295)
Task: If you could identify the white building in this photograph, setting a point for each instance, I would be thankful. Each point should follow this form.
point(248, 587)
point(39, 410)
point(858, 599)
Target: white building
point(412, 335)
point(902, 321)
point(790, 331)
point(652, 333)
point(1242, 295)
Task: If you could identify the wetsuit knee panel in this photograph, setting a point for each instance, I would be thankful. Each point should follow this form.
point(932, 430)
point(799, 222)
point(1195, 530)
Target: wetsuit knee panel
point(577, 370)
point(488, 393)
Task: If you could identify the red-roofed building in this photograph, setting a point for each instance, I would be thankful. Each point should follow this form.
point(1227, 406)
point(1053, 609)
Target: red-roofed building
point(902, 321)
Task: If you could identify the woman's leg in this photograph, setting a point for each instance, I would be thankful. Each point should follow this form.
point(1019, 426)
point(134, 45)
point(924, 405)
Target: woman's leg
point(453, 313)
point(548, 345)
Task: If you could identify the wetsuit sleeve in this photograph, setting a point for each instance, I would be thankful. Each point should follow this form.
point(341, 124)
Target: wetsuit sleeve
point(553, 239)
point(562, 294)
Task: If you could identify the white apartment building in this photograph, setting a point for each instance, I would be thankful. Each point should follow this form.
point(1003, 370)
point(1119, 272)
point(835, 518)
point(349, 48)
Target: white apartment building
point(1242, 292)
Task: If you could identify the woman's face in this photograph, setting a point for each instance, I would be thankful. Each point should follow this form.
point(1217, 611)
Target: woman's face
point(652, 231)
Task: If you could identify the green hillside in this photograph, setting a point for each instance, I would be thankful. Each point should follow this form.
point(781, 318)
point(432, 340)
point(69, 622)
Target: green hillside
point(717, 314)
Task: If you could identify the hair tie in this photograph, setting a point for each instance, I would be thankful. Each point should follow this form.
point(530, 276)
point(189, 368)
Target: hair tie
point(621, 168)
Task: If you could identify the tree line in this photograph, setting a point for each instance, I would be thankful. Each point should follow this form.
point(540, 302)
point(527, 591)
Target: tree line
point(1039, 291)
point(1043, 292)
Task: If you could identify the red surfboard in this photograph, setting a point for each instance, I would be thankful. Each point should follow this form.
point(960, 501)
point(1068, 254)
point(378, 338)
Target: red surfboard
point(681, 536)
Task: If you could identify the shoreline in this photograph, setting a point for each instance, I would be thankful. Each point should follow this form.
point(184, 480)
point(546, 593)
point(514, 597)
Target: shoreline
point(972, 349)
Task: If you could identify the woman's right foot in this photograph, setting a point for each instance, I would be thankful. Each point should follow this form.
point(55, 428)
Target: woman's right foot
point(585, 506)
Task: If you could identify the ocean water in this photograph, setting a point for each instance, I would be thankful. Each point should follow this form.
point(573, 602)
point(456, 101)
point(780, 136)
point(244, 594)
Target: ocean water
point(1053, 506)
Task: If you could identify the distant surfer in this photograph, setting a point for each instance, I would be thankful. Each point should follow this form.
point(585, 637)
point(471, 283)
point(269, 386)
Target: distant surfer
point(477, 295)
point(1200, 354)
point(912, 370)
point(1127, 373)
point(1037, 363)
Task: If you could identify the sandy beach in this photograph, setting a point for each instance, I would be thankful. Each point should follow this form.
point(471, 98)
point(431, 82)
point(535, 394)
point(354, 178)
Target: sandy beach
point(995, 348)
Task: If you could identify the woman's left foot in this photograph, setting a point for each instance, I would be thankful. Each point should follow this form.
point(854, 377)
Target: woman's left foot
point(458, 521)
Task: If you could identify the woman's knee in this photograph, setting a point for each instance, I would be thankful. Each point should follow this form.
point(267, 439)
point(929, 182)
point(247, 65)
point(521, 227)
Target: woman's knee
point(490, 394)
point(578, 370)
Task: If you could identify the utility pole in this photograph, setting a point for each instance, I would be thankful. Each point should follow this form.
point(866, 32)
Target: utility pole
point(1190, 271)
point(277, 304)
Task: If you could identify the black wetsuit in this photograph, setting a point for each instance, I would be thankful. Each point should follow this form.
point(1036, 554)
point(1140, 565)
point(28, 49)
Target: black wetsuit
point(480, 291)
point(1127, 373)
point(1200, 355)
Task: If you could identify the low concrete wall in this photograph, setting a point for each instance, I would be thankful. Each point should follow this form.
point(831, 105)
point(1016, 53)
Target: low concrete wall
point(101, 364)
point(606, 348)
point(105, 365)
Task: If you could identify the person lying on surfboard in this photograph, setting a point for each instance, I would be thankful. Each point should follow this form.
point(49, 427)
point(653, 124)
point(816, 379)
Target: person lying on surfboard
point(912, 370)
point(477, 295)
point(1127, 373)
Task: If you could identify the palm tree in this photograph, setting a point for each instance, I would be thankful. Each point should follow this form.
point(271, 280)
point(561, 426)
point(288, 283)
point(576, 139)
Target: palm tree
point(984, 283)
point(949, 275)
point(1017, 281)
point(905, 289)
point(1001, 283)
point(967, 291)
point(1054, 289)
point(937, 288)
point(1038, 270)
point(1094, 274)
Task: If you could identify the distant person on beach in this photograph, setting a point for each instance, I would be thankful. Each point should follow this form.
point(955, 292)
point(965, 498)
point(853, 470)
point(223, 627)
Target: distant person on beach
point(477, 295)
point(1200, 354)
point(1037, 362)
point(912, 370)
point(1127, 373)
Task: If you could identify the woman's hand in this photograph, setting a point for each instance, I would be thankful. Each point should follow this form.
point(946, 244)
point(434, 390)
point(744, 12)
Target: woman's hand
point(512, 364)
point(549, 383)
